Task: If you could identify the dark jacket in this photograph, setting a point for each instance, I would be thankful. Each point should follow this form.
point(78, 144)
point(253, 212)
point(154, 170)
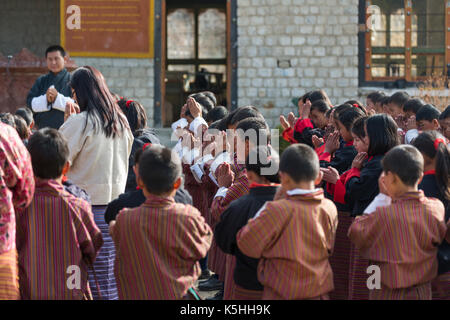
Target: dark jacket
point(53, 118)
point(144, 136)
point(232, 220)
point(360, 191)
point(135, 198)
point(76, 191)
point(430, 189)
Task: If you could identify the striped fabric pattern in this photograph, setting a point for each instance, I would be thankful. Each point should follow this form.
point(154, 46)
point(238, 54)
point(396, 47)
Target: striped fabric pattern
point(293, 238)
point(55, 232)
point(402, 239)
point(240, 293)
point(441, 287)
point(9, 276)
point(229, 284)
point(357, 275)
point(104, 264)
point(419, 292)
point(240, 187)
point(340, 259)
point(158, 247)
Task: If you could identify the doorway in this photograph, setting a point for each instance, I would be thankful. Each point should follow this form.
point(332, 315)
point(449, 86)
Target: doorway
point(196, 54)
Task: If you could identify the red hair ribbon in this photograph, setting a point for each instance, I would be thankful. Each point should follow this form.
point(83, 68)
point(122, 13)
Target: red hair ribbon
point(437, 142)
point(356, 105)
point(129, 102)
point(146, 145)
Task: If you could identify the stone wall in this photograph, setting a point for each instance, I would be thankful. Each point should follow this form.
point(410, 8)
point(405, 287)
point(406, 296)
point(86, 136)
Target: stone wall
point(288, 47)
point(31, 24)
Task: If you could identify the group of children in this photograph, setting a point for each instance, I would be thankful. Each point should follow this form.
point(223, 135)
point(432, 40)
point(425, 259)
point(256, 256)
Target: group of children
point(360, 186)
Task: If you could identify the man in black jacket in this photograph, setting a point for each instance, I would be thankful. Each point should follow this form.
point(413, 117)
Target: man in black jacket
point(50, 93)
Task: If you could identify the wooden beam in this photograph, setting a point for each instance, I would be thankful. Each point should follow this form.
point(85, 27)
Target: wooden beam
point(447, 35)
point(408, 40)
point(368, 50)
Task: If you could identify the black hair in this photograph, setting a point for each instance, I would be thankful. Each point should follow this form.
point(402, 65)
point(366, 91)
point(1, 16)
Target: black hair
point(382, 132)
point(262, 157)
point(205, 102)
point(49, 153)
point(413, 105)
point(399, 98)
point(8, 118)
point(445, 114)
point(159, 168)
point(94, 97)
point(320, 105)
point(425, 143)
point(317, 95)
point(357, 104)
point(135, 113)
point(428, 113)
point(376, 96)
point(300, 162)
point(211, 96)
point(406, 162)
point(349, 116)
point(219, 125)
point(244, 113)
point(328, 113)
point(55, 48)
point(341, 108)
point(218, 113)
point(259, 126)
point(21, 127)
point(385, 100)
point(305, 96)
point(359, 127)
point(26, 114)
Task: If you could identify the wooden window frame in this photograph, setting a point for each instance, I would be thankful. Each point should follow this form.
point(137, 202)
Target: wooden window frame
point(366, 51)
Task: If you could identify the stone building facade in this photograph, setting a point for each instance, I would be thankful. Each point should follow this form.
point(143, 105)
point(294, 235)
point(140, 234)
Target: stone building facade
point(284, 48)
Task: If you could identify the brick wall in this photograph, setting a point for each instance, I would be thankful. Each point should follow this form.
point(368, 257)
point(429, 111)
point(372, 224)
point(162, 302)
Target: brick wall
point(315, 42)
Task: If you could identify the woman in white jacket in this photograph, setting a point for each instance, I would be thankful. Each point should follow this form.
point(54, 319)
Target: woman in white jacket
point(100, 142)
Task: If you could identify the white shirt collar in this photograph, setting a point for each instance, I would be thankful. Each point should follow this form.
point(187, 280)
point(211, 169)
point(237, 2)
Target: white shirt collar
point(299, 192)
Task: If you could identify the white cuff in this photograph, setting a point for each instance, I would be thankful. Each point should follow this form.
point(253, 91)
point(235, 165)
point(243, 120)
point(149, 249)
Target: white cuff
point(197, 172)
point(60, 102)
point(204, 160)
point(411, 135)
point(182, 123)
point(381, 200)
point(222, 192)
point(213, 179)
point(196, 124)
point(40, 104)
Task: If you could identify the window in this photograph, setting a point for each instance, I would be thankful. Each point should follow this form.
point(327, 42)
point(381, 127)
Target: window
point(406, 39)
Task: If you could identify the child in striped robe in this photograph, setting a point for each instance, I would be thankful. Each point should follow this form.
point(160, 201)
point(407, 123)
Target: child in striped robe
point(158, 245)
point(57, 238)
point(294, 237)
point(402, 238)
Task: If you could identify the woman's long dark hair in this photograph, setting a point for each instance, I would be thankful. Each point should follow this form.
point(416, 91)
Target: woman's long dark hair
point(382, 132)
point(425, 142)
point(94, 97)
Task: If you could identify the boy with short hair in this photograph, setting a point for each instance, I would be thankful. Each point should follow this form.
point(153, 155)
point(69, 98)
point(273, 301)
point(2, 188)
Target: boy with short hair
point(294, 237)
point(159, 244)
point(57, 231)
point(444, 121)
point(427, 119)
point(403, 237)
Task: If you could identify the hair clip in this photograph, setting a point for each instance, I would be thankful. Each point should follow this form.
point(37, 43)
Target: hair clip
point(437, 142)
point(129, 102)
point(146, 145)
point(356, 105)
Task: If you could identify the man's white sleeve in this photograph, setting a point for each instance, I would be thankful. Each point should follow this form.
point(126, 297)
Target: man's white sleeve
point(40, 104)
point(196, 124)
point(60, 102)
